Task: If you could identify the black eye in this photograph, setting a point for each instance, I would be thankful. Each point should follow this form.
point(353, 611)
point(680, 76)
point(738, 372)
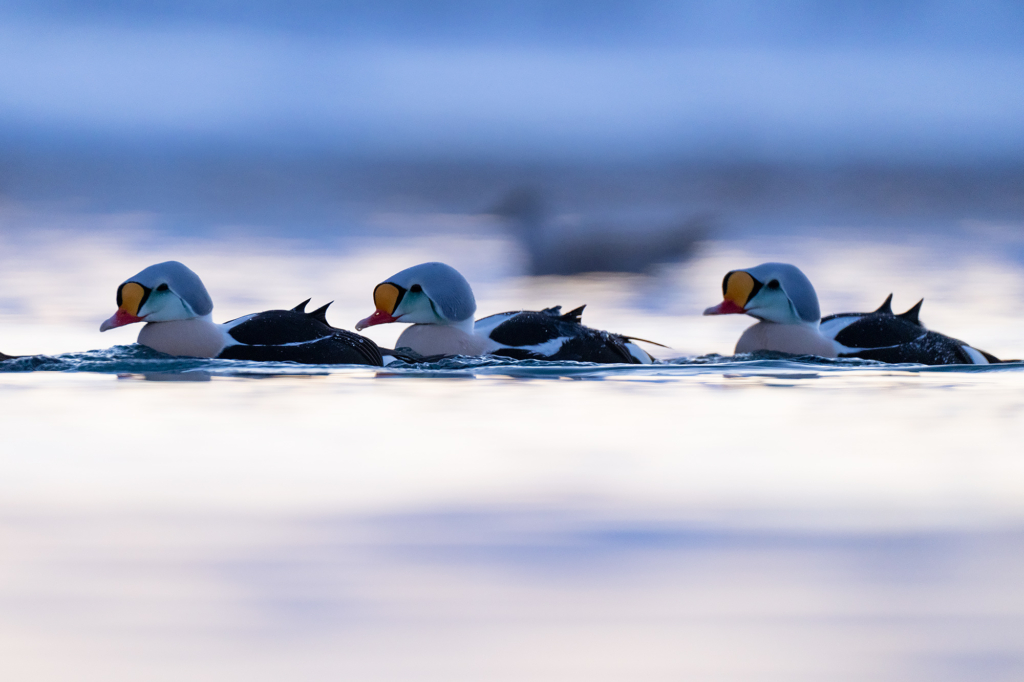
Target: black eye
point(774, 284)
point(163, 287)
point(415, 288)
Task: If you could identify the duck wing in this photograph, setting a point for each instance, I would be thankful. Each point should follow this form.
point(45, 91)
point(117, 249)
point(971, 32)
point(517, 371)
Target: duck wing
point(931, 348)
point(297, 336)
point(870, 330)
point(548, 335)
point(276, 327)
point(886, 337)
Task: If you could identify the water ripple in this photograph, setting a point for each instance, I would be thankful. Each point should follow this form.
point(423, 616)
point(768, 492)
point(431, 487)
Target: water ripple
point(136, 359)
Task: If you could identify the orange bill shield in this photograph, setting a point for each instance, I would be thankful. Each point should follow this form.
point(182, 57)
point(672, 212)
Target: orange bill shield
point(130, 297)
point(386, 298)
point(738, 287)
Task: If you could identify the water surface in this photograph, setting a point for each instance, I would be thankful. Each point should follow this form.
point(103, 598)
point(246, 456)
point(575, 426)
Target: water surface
point(710, 517)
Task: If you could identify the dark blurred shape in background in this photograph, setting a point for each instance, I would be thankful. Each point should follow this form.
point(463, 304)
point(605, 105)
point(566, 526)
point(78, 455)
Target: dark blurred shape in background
point(570, 244)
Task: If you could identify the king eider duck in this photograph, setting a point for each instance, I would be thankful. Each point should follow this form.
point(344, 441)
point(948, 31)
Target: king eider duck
point(781, 297)
point(439, 303)
point(176, 308)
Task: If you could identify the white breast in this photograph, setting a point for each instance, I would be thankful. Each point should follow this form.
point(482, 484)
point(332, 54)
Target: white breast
point(797, 339)
point(195, 338)
point(436, 339)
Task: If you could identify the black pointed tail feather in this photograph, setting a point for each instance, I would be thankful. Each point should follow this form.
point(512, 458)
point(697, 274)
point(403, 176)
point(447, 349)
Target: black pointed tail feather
point(574, 315)
point(913, 315)
point(301, 308)
point(320, 314)
point(886, 307)
point(653, 343)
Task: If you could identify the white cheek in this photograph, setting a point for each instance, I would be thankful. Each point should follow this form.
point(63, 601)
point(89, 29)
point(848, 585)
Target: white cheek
point(772, 305)
point(417, 310)
point(165, 307)
point(150, 310)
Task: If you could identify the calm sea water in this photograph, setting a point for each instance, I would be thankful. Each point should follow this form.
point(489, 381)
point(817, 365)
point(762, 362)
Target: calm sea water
point(710, 518)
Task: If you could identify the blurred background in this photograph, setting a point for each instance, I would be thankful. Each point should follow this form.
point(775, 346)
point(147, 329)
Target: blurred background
point(731, 522)
point(521, 138)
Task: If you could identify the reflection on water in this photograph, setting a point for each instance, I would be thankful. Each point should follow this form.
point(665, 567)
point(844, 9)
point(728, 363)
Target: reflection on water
point(710, 518)
point(721, 520)
point(535, 594)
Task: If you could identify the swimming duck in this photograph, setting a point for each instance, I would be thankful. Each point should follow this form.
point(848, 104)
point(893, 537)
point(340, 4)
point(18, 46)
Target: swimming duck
point(785, 304)
point(176, 308)
point(439, 303)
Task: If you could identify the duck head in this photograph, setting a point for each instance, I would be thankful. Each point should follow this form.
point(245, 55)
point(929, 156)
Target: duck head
point(429, 293)
point(772, 292)
point(160, 293)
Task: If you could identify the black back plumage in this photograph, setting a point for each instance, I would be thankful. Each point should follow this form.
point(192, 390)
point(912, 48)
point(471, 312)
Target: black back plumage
point(930, 348)
point(580, 343)
point(887, 337)
point(297, 336)
point(873, 330)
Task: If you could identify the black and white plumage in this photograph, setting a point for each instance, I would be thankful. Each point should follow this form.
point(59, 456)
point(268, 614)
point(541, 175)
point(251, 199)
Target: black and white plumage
point(781, 297)
point(887, 337)
point(550, 335)
point(297, 336)
point(439, 302)
point(174, 304)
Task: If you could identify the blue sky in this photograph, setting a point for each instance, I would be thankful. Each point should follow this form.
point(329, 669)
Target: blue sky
point(778, 81)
